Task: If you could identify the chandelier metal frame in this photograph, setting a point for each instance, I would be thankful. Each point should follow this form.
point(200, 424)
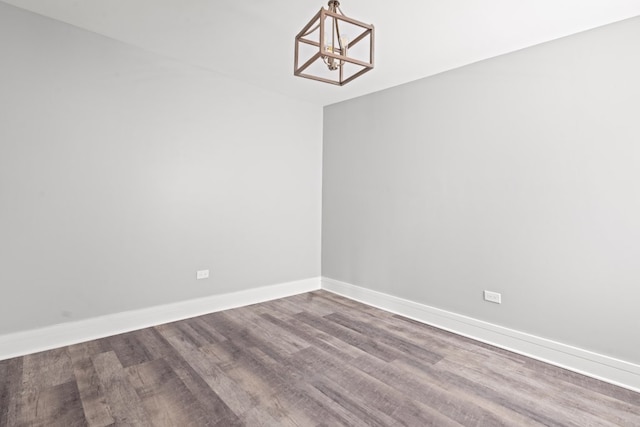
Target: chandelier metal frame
point(336, 52)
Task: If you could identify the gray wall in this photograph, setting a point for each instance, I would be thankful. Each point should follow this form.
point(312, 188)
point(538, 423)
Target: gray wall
point(123, 172)
point(519, 174)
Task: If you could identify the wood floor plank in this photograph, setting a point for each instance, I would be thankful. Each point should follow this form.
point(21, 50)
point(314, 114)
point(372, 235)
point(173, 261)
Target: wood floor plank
point(342, 304)
point(281, 386)
point(208, 335)
point(261, 389)
point(284, 342)
point(313, 336)
point(419, 334)
point(47, 369)
point(351, 337)
point(352, 410)
point(454, 380)
point(577, 405)
point(314, 359)
point(444, 340)
point(406, 347)
point(371, 393)
point(296, 393)
point(188, 332)
point(573, 396)
point(512, 393)
point(59, 405)
point(315, 303)
point(90, 388)
point(243, 334)
point(165, 397)
point(159, 347)
point(602, 389)
point(48, 383)
point(236, 398)
point(128, 349)
point(5, 391)
point(309, 302)
point(10, 390)
point(433, 395)
point(124, 404)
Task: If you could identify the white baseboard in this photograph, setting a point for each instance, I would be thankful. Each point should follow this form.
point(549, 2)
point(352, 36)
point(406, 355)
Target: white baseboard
point(605, 368)
point(60, 335)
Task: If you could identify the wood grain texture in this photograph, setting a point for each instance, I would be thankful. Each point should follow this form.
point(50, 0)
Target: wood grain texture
point(315, 359)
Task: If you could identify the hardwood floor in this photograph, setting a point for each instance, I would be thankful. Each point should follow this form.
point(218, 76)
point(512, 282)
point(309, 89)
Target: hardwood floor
point(309, 360)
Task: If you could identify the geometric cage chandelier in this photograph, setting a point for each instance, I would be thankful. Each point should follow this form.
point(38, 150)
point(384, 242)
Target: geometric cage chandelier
point(333, 48)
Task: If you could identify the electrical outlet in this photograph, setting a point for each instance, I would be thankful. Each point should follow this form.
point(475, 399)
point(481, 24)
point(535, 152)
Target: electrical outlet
point(493, 297)
point(202, 274)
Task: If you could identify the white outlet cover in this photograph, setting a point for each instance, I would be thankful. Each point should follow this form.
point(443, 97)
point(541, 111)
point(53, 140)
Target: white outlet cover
point(202, 274)
point(493, 297)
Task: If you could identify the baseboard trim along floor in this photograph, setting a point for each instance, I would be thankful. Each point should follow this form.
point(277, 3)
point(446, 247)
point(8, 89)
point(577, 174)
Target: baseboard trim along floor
point(605, 368)
point(63, 334)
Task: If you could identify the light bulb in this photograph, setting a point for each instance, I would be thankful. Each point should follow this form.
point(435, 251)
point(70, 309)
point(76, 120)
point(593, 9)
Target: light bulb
point(344, 43)
point(328, 47)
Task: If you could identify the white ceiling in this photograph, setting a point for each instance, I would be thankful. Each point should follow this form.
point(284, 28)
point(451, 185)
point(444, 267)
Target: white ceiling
point(253, 40)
